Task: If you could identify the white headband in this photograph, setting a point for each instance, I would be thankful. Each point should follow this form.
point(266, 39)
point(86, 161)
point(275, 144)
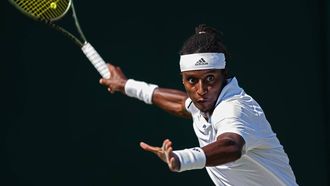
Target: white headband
point(202, 61)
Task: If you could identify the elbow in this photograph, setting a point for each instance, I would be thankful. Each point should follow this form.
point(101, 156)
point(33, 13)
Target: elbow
point(180, 110)
point(236, 153)
point(234, 150)
point(223, 151)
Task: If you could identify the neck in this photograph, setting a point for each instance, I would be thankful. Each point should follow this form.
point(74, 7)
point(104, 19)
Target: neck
point(206, 115)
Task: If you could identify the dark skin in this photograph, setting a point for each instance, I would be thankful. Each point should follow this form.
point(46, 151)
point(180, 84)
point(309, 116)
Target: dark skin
point(203, 87)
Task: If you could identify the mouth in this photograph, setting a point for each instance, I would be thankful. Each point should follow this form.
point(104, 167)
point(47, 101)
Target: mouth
point(202, 100)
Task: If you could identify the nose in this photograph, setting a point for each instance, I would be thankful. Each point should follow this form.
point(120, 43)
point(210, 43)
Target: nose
point(201, 88)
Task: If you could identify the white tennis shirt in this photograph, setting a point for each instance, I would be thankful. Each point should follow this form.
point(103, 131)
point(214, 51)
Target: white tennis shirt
point(263, 161)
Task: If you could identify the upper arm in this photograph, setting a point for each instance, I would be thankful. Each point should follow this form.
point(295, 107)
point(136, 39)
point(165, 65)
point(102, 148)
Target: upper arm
point(227, 148)
point(233, 118)
point(233, 137)
point(237, 127)
point(235, 140)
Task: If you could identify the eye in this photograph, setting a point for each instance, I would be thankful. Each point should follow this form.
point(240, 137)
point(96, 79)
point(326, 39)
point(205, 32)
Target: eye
point(210, 78)
point(192, 80)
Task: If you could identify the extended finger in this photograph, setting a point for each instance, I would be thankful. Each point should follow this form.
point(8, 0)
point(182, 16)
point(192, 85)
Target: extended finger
point(149, 148)
point(168, 145)
point(168, 153)
point(164, 144)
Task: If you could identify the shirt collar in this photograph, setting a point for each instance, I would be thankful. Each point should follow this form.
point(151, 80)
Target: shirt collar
point(231, 89)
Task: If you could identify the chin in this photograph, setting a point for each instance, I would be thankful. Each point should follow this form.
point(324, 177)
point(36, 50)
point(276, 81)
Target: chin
point(203, 108)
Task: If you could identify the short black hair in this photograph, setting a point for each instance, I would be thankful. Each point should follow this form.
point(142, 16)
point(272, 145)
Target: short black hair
point(205, 39)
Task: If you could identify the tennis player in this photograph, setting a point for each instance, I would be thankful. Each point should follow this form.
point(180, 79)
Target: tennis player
point(237, 144)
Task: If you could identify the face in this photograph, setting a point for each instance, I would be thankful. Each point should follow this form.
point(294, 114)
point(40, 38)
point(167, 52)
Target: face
point(203, 87)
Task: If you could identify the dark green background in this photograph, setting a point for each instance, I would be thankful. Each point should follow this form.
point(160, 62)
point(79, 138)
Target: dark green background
point(60, 127)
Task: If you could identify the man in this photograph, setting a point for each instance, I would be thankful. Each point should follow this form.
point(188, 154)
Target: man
point(237, 144)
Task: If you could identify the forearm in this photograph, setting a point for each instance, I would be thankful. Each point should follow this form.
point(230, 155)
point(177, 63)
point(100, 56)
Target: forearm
point(227, 148)
point(171, 100)
point(221, 152)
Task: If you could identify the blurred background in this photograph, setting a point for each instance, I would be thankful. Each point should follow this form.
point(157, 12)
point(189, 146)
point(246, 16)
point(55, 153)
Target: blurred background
point(59, 126)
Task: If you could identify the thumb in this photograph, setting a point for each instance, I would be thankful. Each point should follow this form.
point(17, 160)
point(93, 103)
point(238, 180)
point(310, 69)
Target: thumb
point(174, 164)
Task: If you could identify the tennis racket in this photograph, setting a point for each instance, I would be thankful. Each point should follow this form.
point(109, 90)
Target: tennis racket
point(49, 11)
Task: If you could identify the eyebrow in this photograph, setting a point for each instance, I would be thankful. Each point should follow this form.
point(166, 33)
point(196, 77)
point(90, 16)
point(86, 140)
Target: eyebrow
point(206, 72)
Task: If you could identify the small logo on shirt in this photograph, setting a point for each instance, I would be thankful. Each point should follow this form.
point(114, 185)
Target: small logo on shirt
point(201, 61)
point(195, 149)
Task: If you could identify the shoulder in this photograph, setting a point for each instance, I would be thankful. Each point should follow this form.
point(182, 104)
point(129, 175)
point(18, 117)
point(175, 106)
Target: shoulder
point(241, 106)
point(232, 108)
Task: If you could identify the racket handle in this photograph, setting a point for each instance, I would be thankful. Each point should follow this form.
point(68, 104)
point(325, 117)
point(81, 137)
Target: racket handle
point(96, 60)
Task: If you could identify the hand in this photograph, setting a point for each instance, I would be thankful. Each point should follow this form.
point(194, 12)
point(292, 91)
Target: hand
point(165, 153)
point(117, 80)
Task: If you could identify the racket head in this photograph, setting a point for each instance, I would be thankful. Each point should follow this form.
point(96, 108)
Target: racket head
point(49, 10)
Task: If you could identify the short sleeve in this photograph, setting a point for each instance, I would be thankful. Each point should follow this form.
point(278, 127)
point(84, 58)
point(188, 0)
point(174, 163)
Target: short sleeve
point(233, 117)
point(234, 125)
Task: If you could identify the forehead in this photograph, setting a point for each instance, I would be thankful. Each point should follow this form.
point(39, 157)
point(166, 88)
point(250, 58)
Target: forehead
point(200, 73)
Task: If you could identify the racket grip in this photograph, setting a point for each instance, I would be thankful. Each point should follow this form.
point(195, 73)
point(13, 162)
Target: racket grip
point(96, 60)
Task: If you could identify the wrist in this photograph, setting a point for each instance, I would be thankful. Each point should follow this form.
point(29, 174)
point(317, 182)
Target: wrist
point(189, 159)
point(140, 90)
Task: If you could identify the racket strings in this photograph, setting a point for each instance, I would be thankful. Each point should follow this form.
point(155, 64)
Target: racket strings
point(44, 9)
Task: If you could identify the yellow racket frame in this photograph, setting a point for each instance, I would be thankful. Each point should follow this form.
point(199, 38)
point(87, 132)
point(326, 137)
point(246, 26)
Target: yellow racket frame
point(50, 10)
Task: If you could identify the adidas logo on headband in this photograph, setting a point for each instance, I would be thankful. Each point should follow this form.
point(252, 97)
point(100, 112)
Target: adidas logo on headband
point(201, 61)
